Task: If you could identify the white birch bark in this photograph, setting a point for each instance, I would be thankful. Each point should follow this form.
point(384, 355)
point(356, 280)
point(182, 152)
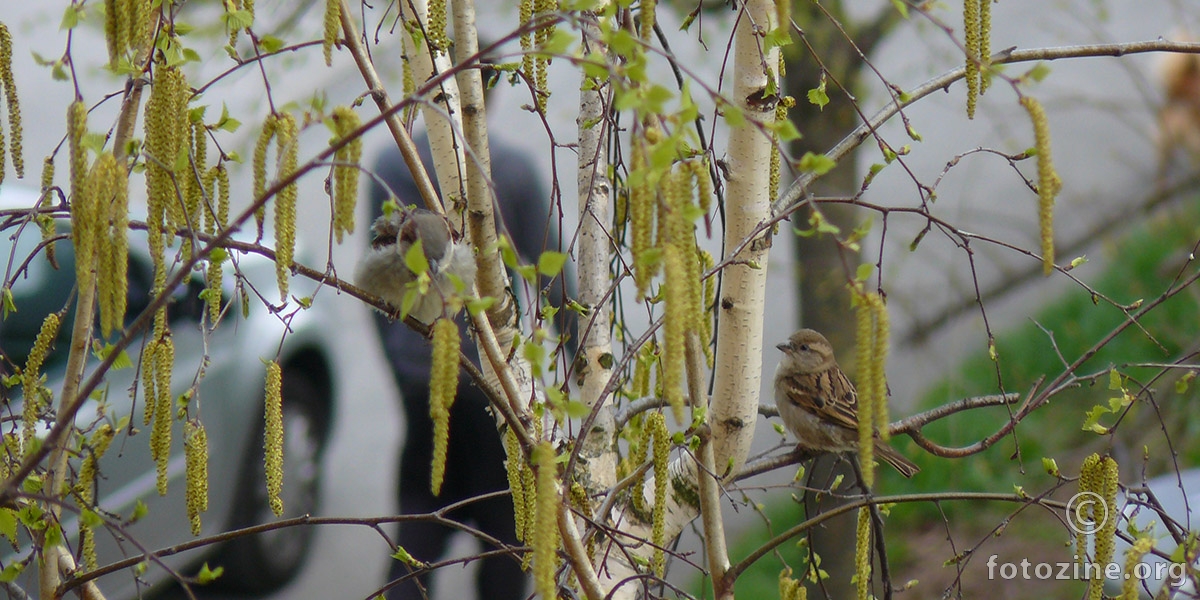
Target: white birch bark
point(594, 251)
point(439, 110)
point(732, 411)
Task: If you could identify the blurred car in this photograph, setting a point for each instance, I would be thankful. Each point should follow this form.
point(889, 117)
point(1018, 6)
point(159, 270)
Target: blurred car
point(228, 400)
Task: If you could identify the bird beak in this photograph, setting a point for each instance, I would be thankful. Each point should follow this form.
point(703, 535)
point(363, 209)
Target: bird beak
point(784, 347)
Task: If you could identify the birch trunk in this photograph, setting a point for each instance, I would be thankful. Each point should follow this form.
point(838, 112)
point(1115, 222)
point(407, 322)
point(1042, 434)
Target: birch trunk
point(594, 252)
point(733, 407)
point(439, 111)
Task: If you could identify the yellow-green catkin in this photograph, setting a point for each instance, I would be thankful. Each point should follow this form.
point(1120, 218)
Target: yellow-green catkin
point(112, 189)
point(524, 14)
point(1105, 540)
point(230, 7)
point(545, 533)
point(781, 112)
point(435, 32)
point(139, 15)
point(443, 384)
point(971, 45)
point(515, 465)
point(862, 554)
point(192, 182)
point(258, 166)
point(46, 222)
point(879, 353)
point(148, 386)
point(639, 384)
point(1048, 182)
point(31, 378)
point(345, 172)
point(333, 15)
point(288, 147)
point(115, 30)
point(84, 218)
point(648, 18)
point(1087, 484)
point(164, 417)
point(543, 35)
point(215, 224)
point(9, 85)
point(1133, 558)
point(642, 205)
point(273, 436)
point(985, 43)
point(1098, 475)
point(708, 302)
point(675, 323)
point(195, 451)
point(85, 489)
point(656, 427)
point(791, 588)
point(865, 370)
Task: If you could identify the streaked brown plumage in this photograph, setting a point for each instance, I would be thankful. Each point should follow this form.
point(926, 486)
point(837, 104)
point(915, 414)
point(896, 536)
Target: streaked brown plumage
point(817, 402)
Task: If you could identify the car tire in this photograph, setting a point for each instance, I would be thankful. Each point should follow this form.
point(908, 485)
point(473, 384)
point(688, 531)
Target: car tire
point(264, 562)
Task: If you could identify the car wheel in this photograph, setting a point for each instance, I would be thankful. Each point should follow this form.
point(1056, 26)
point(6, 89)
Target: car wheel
point(264, 562)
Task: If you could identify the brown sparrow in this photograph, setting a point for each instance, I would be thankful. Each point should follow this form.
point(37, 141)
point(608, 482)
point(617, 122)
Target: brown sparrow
point(382, 270)
point(818, 403)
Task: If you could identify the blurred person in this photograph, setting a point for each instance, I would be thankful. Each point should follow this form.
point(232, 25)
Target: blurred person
point(475, 459)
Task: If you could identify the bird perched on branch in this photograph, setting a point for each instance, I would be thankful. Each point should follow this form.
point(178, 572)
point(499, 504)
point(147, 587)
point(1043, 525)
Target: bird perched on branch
point(818, 403)
point(417, 283)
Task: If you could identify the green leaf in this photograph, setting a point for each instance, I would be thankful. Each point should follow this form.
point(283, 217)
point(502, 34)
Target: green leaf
point(139, 510)
point(901, 7)
point(786, 130)
point(558, 44)
point(71, 17)
point(8, 523)
point(53, 536)
point(271, 43)
point(227, 123)
point(238, 19)
point(1050, 465)
point(90, 518)
point(1114, 380)
point(818, 164)
point(415, 259)
point(817, 95)
point(207, 575)
point(1181, 385)
point(11, 571)
point(777, 38)
point(6, 298)
point(1092, 422)
point(550, 263)
point(1039, 72)
point(403, 556)
point(478, 305)
point(864, 272)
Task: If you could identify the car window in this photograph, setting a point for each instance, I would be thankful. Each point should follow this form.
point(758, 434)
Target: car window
point(43, 290)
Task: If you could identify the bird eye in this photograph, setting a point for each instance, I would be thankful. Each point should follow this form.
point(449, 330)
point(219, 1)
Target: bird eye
point(804, 347)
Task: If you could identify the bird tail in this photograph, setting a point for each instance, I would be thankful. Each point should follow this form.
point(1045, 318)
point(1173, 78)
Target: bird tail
point(889, 455)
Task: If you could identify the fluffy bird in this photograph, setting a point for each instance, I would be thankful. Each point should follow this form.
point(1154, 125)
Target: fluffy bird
point(817, 402)
point(384, 272)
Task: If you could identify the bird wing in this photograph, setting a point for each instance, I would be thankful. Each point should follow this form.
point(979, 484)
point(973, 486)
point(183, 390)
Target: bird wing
point(839, 405)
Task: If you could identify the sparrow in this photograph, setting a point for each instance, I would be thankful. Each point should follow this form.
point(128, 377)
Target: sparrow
point(383, 271)
point(818, 403)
